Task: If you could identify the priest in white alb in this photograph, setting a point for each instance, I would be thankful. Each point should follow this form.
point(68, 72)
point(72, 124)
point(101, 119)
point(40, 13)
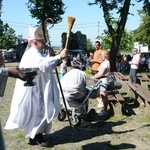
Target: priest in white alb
point(34, 107)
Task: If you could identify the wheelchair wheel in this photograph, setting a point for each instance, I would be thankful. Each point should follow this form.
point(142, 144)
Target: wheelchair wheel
point(91, 114)
point(62, 115)
point(76, 121)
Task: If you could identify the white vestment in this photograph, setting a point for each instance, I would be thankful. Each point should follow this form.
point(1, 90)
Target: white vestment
point(34, 107)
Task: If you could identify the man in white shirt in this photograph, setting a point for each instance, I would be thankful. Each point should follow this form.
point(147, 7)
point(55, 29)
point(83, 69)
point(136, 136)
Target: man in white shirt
point(134, 64)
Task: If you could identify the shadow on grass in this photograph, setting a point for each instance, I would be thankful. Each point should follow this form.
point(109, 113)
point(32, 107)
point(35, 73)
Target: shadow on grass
point(129, 106)
point(80, 133)
point(96, 129)
point(107, 146)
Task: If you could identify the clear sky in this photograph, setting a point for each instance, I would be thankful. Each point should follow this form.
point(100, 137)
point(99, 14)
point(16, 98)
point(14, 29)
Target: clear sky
point(16, 14)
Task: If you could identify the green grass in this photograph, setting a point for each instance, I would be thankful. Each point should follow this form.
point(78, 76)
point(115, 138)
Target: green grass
point(146, 118)
point(146, 136)
point(114, 119)
point(21, 136)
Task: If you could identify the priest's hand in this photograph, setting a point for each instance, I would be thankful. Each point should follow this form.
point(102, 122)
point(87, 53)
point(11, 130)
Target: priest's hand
point(63, 53)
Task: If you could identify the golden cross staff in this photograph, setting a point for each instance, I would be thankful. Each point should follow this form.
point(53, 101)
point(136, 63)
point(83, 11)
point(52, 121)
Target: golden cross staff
point(46, 31)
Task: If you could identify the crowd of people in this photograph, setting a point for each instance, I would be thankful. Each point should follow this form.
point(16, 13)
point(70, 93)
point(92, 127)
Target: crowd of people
point(122, 62)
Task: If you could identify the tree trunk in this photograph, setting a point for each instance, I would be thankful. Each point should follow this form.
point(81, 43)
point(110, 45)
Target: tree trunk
point(115, 34)
point(114, 51)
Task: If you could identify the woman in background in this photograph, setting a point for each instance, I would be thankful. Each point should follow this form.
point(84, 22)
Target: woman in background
point(103, 70)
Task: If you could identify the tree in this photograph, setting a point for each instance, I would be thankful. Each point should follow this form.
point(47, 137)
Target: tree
point(143, 32)
point(1, 22)
point(121, 7)
point(8, 39)
point(43, 9)
point(7, 35)
point(126, 43)
point(90, 46)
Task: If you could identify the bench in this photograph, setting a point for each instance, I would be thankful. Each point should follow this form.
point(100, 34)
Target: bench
point(122, 79)
point(120, 76)
point(115, 102)
point(143, 81)
point(141, 96)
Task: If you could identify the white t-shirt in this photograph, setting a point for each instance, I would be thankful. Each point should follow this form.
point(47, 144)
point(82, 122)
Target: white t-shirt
point(135, 58)
point(106, 65)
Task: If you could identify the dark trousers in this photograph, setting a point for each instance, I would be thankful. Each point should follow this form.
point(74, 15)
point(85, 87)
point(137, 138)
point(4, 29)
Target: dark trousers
point(133, 77)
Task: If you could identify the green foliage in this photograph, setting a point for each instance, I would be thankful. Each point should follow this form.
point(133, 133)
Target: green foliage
point(1, 22)
point(8, 38)
point(143, 32)
point(90, 46)
point(110, 9)
point(7, 35)
point(146, 6)
point(43, 9)
point(126, 43)
point(115, 26)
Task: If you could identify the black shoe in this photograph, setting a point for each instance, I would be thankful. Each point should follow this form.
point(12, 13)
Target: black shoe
point(46, 144)
point(32, 142)
point(39, 140)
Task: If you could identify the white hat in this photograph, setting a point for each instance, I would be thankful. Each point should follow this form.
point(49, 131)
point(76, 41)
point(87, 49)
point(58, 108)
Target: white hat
point(36, 33)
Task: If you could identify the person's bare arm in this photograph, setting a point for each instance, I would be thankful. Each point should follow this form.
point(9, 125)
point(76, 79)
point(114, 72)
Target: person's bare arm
point(94, 61)
point(99, 74)
point(16, 73)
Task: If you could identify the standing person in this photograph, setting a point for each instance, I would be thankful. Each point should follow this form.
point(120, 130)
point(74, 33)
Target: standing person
point(103, 70)
point(33, 108)
point(4, 74)
point(134, 64)
point(9, 72)
point(89, 63)
point(2, 59)
point(89, 58)
point(148, 64)
point(63, 68)
point(118, 62)
point(95, 62)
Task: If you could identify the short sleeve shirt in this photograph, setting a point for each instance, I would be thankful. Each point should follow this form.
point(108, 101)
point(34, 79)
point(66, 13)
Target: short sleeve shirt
point(106, 65)
point(95, 65)
point(135, 58)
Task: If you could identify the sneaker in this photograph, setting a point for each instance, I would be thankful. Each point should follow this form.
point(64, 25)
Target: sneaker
point(103, 113)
